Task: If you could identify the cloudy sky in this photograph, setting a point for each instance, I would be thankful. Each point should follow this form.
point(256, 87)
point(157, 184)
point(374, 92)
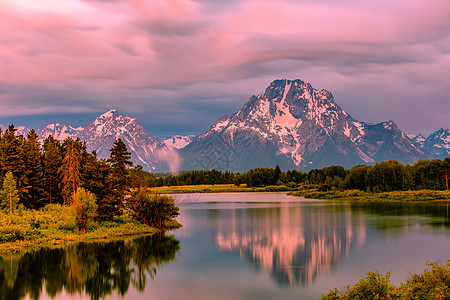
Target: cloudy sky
point(178, 65)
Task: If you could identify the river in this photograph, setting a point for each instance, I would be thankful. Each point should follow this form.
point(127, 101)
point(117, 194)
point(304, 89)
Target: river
point(243, 246)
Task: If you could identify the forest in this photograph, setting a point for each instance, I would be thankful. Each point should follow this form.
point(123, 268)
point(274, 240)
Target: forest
point(381, 177)
point(60, 189)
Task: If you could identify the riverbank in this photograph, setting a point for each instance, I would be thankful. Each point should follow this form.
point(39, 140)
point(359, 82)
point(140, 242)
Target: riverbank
point(218, 188)
point(431, 284)
point(357, 195)
point(55, 226)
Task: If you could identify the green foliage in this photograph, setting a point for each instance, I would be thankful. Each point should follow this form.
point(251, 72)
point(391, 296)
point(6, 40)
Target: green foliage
point(422, 195)
point(118, 181)
point(153, 209)
point(33, 196)
point(9, 194)
point(51, 163)
point(56, 217)
point(85, 208)
point(433, 284)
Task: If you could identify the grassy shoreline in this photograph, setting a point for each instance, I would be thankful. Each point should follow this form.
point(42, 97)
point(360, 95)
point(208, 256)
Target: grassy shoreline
point(357, 195)
point(310, 192)
point(65, 239)
point(55, 226)
point(218, 188)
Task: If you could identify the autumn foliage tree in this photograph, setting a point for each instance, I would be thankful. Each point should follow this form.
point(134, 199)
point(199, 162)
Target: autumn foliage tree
point(70, 169)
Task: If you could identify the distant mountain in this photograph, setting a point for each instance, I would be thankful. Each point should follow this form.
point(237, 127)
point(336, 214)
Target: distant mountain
point(21, 130)
point(178, 141)
point(417, 138)
point(59, 131)
point(296, 126)
point(290, 124)
point(100, 134)
point(438, 143)
point(386, 141)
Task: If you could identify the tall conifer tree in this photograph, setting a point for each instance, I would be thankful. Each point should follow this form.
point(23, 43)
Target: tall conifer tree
point(118, 181)
point(51, 163)
point(12, 160)
point(33, 165)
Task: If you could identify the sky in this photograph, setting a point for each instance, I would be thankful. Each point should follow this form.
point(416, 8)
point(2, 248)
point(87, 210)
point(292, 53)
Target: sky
point(179, 65)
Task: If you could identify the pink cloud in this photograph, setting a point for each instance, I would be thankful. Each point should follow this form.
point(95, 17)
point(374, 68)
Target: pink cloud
point(140, 49)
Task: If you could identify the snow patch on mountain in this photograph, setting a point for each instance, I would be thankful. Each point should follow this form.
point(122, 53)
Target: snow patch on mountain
point(417, 138)
point(178, 141)
point(438, 143)
point(59, 131)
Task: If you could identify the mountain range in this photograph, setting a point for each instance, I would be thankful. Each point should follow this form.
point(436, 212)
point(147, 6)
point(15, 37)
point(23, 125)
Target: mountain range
point(290, 124)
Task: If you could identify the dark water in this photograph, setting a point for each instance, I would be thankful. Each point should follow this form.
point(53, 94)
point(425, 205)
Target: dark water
point(243, 246)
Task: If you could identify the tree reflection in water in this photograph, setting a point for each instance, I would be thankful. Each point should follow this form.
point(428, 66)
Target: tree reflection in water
point(96, 269)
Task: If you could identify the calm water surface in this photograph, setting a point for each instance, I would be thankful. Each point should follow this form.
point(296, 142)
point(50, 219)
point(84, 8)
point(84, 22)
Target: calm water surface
point(243, 246)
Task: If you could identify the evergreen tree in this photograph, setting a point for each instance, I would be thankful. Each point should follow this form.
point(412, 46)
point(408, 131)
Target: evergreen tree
point(95, 175)
point(70, 169)
point(118, 181)
point(13, 158)
point(277, 174)
point(9, 194)
point(446, 167)
point(33, 165)
point(51, 163)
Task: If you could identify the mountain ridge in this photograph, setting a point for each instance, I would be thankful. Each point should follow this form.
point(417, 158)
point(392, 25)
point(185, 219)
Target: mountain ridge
point(301, 124)
point(291, 124)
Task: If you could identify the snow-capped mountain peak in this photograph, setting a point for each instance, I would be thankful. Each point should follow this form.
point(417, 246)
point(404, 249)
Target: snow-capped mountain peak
point(438, 143)
point(304, 125)
point(101, 133)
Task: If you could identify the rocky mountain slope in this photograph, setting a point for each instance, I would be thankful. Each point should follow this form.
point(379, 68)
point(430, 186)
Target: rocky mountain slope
point(291, 124)
point(100, 134)
point(438, 143)
point(296, 126)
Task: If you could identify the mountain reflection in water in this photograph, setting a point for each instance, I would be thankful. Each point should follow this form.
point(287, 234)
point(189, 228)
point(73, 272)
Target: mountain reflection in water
point(292, 243)
point(295, 244)
point(94, 269)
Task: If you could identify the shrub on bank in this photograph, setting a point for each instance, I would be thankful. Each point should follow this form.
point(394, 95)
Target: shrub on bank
point(153, 209)
point(420, 195)
point(433, 284)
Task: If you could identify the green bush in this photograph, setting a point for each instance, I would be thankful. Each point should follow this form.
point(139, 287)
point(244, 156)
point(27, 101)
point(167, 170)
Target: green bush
point(56, 216)
point(153, 209)
point(433, 284)
point(13, 233)
point(85, 208)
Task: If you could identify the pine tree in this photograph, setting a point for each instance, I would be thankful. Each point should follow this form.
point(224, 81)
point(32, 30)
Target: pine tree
point(70, 169)
point(33, 166)
point(51, 163)
point(13, 154)
point(94, 175)
point(118, 181)
point(9, 194)
point(277, 174)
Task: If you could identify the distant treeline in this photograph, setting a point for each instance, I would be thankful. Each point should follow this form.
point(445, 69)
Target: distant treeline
point(380, 177)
